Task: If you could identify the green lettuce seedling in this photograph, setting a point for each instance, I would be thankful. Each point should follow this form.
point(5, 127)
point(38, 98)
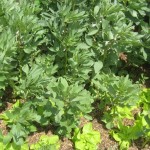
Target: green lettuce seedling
point(88, 139)
point(46, 143)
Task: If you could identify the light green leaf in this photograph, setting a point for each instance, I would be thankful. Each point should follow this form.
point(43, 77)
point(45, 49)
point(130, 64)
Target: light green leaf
point(2, 78)
point(28, 50)
point(7, 138)
point(116, 136)
point(64, 83)
point(93, 32)
point(134, 13)
point(109, 125)
point(144, 54)
point(82, 46)
point(98, 66)
point(25, 69)
point(89, 40)
point(2, 146)
point(53, 139)
point(87, 128)
point(80, 145)
point(110, 35)
point(124, 145)
point(25, 147)
point(96, 10)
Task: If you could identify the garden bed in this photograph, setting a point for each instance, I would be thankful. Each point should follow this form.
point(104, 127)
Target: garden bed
point(75, 74)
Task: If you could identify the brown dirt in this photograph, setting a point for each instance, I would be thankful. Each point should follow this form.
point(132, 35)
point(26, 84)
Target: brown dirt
point(66, 144)
point(106, 141)
point(128, 122)
point(3, 128)
point(123, 57)
point(35, 137)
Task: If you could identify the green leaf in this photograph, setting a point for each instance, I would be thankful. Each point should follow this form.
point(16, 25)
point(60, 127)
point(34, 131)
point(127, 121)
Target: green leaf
point(2, 146)
point(25, 69)
point(111, 36)
point(7, 138)
point(134, 13)
point(109, 125)
point(144, 54)
point(92, 32)
point(64, 83)
point(116, 136)
point(49, 142)
point(82, 46)
point(98, 66)
point(25, 147)
point(79, 145)
point(96, 10)
point(89, 40)
point(12, 146)
point(2, 78)
point(88, 139)
point(87, 128)
point(124, 145)
point(2, 85)
point(53, 139)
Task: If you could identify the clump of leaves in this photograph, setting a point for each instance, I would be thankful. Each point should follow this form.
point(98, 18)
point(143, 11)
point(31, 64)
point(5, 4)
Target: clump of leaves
point(114, 90)
point(18, 25)
point(125, 134)
point(47, 143)
point(87, 139)
point(70, 102)
point(20, 124)
point(51, 50)
point(11, 145)
point(145, 115)
point(116, 94)
point(113, 116)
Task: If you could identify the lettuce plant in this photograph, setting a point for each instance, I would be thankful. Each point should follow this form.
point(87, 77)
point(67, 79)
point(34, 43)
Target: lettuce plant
point(125, 134)
point(87, 139)
point(46, 143)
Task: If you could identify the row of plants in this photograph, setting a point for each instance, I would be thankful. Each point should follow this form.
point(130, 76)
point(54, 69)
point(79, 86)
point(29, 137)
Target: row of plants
point(126, 123)
point(87, 139)
point(58, 57)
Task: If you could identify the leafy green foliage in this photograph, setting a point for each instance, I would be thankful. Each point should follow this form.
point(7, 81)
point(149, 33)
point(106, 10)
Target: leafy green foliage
point(18, 25)
point(46, 143)
point(124, 134)
point(70, 102)
point(118, 97)
point(11, 146)
point(115, 90)
point(20, 124)
point(57, 56)
point(88, 139)
point(145, 115)
point(128, 133)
